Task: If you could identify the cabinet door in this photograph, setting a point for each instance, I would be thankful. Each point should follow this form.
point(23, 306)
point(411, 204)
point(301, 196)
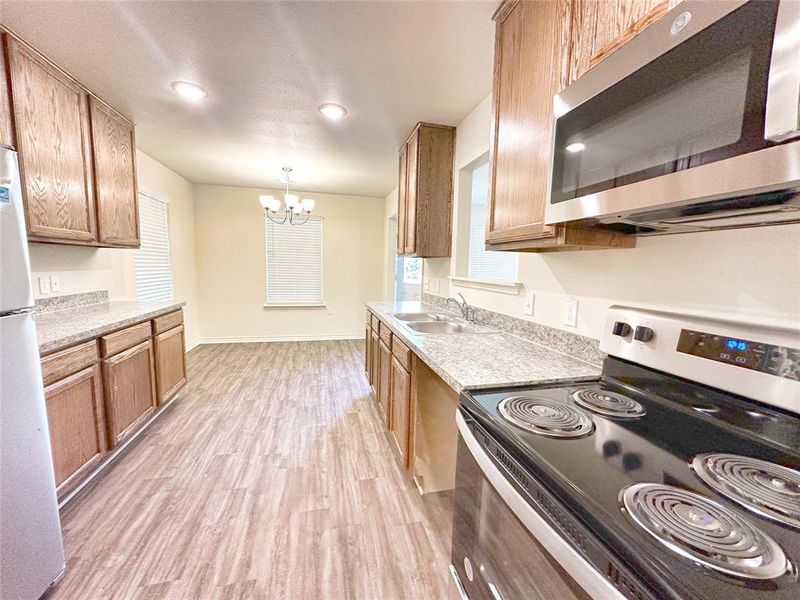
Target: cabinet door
point(367, 357)
point(402, 193)
point(129, 390)
point(77, 426)
point(530, 42)
point(385, 385)
point(51, 121)
point(6, 124)
point(170, 363)
point(115, 176)
point(375, 379)
point(412, 164)
point(401, 410)
point(599, 28)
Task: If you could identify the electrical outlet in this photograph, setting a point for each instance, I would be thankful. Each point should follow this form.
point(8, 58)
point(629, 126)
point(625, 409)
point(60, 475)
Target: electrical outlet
point(426, 284)
point(55, 283)
point(527, 308)
point(44, 285)
point(571, 312)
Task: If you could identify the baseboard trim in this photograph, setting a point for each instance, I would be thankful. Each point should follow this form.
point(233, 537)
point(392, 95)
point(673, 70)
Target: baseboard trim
point(191, 345)
point(278, 338)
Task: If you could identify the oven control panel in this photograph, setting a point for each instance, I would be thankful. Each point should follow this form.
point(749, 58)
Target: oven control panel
point(780, 361)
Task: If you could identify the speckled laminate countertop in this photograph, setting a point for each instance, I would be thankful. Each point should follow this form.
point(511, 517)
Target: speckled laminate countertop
point(482, 360)
point(62, 328)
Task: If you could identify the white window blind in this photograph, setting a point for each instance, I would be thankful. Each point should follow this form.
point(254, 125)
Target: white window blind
point(483, 264)
point(152, 265)
point(294, 263)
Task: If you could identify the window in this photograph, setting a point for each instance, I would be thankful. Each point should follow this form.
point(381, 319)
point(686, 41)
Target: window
point(483, 264)
point(412, 270)
point(294, 263)
point(152, 265)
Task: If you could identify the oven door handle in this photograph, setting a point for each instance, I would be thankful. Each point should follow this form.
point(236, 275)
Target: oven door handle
point(595, 583)
point(782, 120)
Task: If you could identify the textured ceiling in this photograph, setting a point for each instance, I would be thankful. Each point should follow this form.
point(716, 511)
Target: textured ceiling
point(266, 67)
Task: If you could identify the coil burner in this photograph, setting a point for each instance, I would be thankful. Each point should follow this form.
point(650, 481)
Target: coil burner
point(546, 417)
point(767, 489)
point(703, 531)
point(607, 403)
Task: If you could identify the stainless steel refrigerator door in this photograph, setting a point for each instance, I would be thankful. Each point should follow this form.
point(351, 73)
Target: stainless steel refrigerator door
point(31, 550)
point(15, 282)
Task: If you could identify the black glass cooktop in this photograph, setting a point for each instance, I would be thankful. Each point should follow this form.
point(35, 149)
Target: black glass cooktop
point(681, 420)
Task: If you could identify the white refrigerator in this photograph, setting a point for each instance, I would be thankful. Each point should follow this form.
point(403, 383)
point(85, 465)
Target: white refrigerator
point(31, 549)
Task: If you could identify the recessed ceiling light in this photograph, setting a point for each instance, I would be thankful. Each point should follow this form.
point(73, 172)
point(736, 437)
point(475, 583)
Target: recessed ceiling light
point(190, 91)
point(576, 147)
point(334, 112)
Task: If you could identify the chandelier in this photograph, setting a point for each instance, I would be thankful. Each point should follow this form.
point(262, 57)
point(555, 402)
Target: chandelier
point(294, 206)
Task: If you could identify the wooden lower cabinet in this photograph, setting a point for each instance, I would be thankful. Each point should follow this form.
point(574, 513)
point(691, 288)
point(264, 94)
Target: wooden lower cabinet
point(374, 339)
point(401, 409)
point(368, 354)
point(170, 363)
point(76, 422)
point(130, 390)
point(385, 382)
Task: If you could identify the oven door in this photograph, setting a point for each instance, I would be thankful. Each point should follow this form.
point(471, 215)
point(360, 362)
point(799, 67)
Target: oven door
point(693, 109)
point(503, 548)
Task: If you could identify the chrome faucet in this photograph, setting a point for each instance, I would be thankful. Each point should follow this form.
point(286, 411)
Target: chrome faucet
point(465, 309)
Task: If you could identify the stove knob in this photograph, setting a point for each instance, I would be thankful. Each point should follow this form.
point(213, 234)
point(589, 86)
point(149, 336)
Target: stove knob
point(643, 334)
point(621, 329)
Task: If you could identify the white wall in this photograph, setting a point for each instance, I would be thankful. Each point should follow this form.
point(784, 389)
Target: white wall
point(231, 274)
point(82, 269)
point(754, 272)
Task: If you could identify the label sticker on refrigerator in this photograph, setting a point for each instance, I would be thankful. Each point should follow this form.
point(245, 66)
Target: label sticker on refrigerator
point(5, 195)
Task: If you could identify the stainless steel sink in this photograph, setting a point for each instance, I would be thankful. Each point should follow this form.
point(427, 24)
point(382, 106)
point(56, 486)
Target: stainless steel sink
point(446, 327)
point(422, 316)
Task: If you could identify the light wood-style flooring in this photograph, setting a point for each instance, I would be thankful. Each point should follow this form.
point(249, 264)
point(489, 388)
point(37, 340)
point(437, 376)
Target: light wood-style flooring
point(270, 477)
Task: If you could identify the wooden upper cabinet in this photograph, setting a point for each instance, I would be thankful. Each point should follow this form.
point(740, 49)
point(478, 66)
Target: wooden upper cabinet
point(599, 28)
point(529, 48)
point(6, 122)
point(402, 203)
point(425, 192)
point(76, 154)
point(114, 175)
point(51, 120)
point(531, 65)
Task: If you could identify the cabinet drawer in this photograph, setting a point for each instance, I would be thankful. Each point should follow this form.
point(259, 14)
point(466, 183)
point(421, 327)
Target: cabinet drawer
point(375, 322)
point(401, 352)
point(66, 362)
point(385, 333)
point(124, 339)
point(168, 321)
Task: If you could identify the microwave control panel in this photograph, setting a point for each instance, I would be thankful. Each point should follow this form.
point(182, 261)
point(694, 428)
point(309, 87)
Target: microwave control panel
point(780, 361)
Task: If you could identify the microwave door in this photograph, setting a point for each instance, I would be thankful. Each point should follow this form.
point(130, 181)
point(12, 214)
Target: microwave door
point(783, 93)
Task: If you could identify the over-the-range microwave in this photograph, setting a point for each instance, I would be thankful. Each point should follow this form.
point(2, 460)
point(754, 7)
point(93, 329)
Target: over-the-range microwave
point(687, 127)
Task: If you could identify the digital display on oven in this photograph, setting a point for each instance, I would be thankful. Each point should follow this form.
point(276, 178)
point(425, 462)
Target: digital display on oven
point(780, 361)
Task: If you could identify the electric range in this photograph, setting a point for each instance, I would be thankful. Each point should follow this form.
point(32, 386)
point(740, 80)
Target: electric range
point(661, 479)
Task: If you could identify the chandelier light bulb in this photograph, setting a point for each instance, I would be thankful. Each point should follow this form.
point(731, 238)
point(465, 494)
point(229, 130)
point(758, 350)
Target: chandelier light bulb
point(274, 205)
point(266, 201)
point(291, 200)
point(297, 209)
point(308, 204)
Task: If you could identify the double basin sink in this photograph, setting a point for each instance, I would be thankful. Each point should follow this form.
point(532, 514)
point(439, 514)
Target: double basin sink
point(431, 322)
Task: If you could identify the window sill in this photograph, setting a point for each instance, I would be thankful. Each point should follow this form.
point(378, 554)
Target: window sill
point(273, 305)
point(512, 288)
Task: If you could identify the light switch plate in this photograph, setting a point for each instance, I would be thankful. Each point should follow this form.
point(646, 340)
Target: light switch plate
point(44, 285)
point(527, 308)
point(426, 284)
point(55, 283)
point(571, 312)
